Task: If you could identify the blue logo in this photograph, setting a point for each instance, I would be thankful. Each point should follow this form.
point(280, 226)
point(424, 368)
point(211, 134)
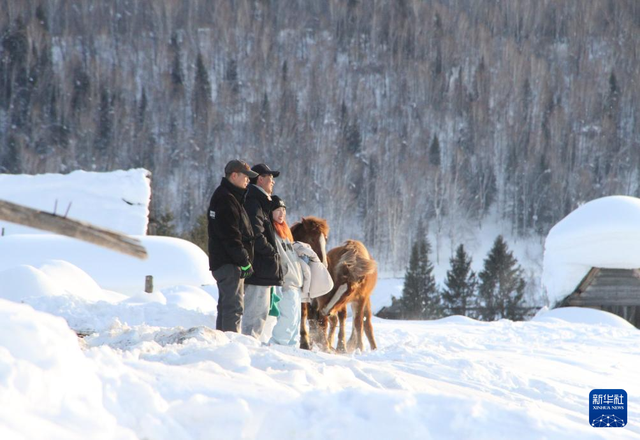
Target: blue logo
point(608, 408)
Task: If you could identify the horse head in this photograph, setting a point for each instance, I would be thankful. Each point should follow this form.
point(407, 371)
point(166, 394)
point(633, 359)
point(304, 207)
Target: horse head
point(315, 232)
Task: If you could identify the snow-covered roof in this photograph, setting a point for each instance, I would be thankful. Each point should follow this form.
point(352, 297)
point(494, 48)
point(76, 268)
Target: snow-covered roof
point(601, 233)
point(116, 200)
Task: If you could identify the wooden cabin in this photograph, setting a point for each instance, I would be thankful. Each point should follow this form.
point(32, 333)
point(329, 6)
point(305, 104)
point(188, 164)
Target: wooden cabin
point(613, 290)
point(394, 311)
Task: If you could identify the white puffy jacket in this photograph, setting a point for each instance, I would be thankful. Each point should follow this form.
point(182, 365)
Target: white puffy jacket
point(317, 280)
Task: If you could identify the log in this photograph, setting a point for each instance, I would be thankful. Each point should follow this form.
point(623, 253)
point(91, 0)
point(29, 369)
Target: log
point(33, 218)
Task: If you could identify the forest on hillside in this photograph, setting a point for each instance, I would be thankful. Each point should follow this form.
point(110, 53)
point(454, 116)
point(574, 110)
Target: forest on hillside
point(379, 113)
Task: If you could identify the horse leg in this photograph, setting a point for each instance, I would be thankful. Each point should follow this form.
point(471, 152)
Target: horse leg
point(321, 333)
point(342, 316)
point(333, 322)
point(304, 334)
point(317, 327)
point(355, 341)
point(368, 326)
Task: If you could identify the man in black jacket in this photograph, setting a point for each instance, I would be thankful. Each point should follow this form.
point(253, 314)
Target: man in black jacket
point(230, 243)
point(266, 262)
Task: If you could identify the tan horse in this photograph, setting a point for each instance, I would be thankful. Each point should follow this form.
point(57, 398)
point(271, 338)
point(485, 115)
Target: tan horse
point(354, 275)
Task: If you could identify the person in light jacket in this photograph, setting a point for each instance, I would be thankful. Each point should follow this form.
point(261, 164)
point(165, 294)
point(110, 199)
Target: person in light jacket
point(287, 328)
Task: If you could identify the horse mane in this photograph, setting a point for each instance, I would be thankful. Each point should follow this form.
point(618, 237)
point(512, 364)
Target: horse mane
point(312, 223)
point(356, 259)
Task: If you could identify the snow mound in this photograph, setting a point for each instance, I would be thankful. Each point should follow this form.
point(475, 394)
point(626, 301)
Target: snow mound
point(602, 233)
point(52, 278)
point(71, 278)
point(122, 197)
point(142, 297)
point(24, 281)
point(191, 298)
point(460, 320)
point(48, 389)
point(583, 315)
point(171, 261)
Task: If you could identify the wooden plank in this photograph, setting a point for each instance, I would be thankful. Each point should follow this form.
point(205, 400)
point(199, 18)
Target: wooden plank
point(587, 280)
point(33, 218)
point(628, 299)
point(606, 287)
point(619, 292)
point(598, 303)
point(612, 287)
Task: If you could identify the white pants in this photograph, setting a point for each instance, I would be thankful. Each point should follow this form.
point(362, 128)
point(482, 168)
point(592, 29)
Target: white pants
point(287, 329)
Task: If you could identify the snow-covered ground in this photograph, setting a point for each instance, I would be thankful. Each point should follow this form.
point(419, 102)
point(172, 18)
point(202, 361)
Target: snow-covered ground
point(160, 371)
point(153, 367)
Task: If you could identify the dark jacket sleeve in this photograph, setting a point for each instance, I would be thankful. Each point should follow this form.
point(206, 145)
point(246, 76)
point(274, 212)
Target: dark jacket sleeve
point(228, 230)
point(256, 215)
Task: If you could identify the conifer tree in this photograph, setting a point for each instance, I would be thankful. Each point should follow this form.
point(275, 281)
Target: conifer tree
point(420, 296)
point(459, 294)
point(199, 234)
point(105, 124)
point(434, 152)
point(501, 284)
point(201, 93)
point(162, 224)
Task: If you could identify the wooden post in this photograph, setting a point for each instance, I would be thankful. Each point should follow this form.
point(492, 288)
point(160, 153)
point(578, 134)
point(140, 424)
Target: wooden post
point(148, 284)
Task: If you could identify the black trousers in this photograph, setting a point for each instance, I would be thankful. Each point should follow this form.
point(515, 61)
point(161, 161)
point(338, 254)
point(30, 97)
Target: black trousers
point(230, 298)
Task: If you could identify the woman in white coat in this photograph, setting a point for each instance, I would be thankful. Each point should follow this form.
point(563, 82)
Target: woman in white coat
point(287, 328)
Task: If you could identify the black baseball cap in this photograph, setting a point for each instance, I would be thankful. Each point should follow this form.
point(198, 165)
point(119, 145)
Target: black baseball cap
point(239, 166)
point(262, 169)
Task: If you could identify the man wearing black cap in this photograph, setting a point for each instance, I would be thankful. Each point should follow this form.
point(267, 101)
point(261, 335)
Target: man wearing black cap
point(266, 261)
point(230, 243)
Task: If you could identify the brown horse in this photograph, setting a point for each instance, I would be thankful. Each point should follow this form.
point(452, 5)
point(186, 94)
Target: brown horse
point(354, 274)
point(313, 231)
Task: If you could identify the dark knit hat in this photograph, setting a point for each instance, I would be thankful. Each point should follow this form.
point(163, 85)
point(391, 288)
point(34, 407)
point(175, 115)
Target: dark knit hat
point(277, 202)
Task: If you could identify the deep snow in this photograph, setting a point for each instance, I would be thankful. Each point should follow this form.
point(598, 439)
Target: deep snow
point(157, 371)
